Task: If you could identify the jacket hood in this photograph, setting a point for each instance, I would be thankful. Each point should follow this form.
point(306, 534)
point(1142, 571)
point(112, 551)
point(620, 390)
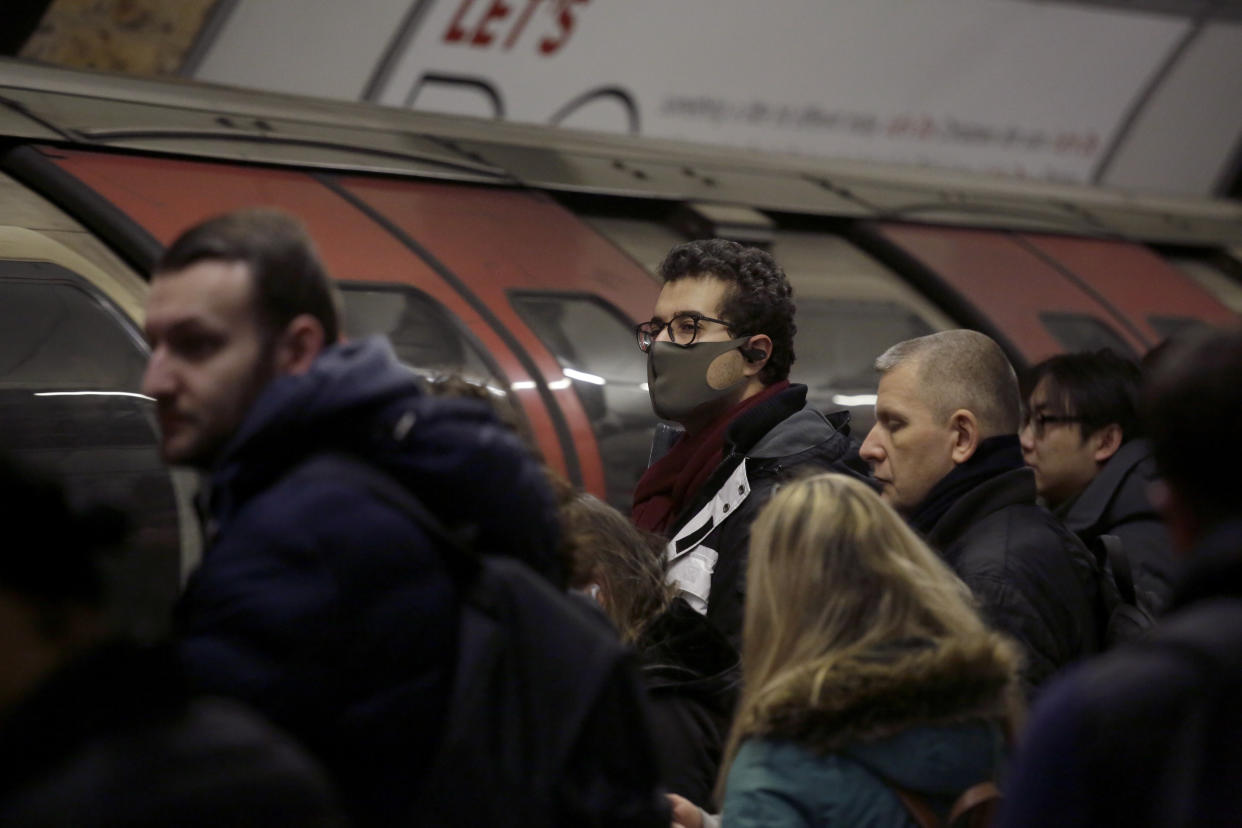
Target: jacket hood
point(784, 431)
point(346, 380)
point(887, 691)
point(1131, 467)
point(681, 650)
point(467, 468)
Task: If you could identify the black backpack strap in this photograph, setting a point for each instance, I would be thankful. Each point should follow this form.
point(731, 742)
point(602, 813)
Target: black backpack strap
point(975, 807)
point(1125, 619)
point(1123, 575)
point(916, 806)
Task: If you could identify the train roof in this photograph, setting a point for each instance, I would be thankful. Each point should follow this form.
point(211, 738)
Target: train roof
point(197, 120)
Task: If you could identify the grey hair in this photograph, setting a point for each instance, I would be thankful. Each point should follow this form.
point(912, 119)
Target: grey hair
point(962, 369)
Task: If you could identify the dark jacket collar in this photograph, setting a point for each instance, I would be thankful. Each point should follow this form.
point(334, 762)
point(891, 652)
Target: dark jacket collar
point(329, 407)
point(785, 431)
point(344, 380)
point(1006, 489)
point(994, 458)
point(877, 694)
point(747, 432)
point(752, 425)
point(1089, 508)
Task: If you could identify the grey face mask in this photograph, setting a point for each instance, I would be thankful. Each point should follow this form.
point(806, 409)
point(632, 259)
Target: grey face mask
point(677, 376)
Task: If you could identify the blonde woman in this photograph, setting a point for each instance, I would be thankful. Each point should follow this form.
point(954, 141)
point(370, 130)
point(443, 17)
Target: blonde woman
point(866, 670)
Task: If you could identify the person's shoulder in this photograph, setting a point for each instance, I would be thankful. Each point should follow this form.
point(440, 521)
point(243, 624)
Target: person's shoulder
point(776, 764)
point(1016, 545)
point(1166, 670)
point(318, 510)
point(779, 782)
point(1029, 529)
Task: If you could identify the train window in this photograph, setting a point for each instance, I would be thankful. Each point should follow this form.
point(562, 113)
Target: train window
point(836, 346)
point(1170, 326)
point(70, 371)
point(838, 340)
point(594, 344)
point(1217, 273)
point(1083, 332)
point(423, 333)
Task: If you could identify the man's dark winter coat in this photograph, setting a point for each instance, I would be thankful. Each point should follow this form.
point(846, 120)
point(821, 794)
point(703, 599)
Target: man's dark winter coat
point(778, 439)
point(1033, 578)
point(693, 675)
point(1115, 503)
point(112, 738)
point(1147, 734)
point(328, 608)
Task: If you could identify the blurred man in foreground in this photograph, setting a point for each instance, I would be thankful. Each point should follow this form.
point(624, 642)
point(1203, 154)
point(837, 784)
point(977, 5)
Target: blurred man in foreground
point(99, 731)
point(345, 507)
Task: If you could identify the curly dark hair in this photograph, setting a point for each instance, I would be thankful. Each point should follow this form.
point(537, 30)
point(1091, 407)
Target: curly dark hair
point(759, 299)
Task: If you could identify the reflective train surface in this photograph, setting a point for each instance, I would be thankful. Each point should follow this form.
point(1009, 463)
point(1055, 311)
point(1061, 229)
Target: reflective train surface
point(521, 258)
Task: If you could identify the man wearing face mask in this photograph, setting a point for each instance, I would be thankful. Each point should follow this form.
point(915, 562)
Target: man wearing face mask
point(719, 348)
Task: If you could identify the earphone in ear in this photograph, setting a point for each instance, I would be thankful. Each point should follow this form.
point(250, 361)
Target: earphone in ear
point(754, 354)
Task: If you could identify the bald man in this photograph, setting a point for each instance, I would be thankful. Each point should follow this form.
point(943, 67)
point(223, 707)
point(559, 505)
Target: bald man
point(945, 449)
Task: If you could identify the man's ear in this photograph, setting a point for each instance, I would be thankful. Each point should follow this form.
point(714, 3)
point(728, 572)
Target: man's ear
point(757, 352)
point(299, 344)
point(1105, 442)
point(964, 427)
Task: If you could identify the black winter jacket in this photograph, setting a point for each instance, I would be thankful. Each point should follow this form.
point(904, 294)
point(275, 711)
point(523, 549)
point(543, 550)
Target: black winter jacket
point(693, 676)
point(777, 439)
point(112, 738)
point(1148, 734)
point(327, 607)
point(1115, 503)
point(1033, 578)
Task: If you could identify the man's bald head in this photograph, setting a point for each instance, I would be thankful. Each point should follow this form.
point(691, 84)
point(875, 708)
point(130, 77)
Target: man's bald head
point(962, 369)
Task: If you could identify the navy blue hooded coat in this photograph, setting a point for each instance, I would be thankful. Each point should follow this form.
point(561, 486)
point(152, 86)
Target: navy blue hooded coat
point(328, 608)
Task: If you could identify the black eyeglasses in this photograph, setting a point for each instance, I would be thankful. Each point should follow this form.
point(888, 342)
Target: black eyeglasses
point(1040, 421)
point(683, 329)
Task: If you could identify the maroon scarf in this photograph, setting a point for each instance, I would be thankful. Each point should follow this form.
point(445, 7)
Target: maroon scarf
point(670, 482)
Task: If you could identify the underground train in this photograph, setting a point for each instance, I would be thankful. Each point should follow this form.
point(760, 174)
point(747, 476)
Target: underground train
point(520, 257)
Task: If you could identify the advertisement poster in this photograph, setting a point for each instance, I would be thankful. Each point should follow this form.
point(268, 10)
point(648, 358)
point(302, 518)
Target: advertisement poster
point(1035, 90)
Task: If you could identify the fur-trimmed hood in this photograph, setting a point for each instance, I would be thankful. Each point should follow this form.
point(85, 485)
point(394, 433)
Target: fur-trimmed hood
point(885, 691)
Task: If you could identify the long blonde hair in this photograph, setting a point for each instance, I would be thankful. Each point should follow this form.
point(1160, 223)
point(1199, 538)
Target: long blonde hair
point(834, 572)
